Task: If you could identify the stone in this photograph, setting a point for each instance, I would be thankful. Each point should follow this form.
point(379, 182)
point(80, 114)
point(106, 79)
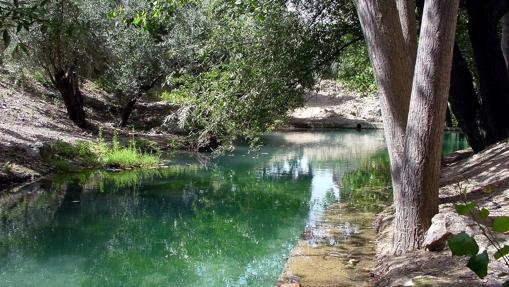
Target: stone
point(444, 225)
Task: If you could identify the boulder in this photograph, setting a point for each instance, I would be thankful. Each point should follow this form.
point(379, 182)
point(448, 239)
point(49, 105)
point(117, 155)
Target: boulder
point(444, 225)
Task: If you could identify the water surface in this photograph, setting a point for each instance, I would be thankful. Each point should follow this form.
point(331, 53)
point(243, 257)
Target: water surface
point(230, 221)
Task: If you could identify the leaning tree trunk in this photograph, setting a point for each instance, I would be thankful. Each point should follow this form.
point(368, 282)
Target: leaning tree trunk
point(68, 86)
point(464, 101)
point(418, 201)
point(483, 19)
point(392, 67)
point(129, 107)
point(126, 111)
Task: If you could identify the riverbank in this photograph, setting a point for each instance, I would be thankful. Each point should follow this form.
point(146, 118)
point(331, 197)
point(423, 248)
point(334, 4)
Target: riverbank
point(333, 106)
point(484, 178)
point(33, 117)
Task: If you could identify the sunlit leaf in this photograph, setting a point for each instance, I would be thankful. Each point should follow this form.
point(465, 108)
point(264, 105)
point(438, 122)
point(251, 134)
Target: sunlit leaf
point(465, 209)
point(501, 224)
point(502, 252)
point(484, 213)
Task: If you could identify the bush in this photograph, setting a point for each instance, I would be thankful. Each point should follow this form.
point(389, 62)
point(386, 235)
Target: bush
point(354, 71)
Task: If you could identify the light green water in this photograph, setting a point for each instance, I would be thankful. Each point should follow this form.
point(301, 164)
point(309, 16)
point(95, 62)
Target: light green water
point(230, 221)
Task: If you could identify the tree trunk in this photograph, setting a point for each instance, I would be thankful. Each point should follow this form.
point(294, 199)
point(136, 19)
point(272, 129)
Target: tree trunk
point(129, 107)
point(126, 111)
point(448, 118)
point(464, 101)
point(483, 21)
point(407, 17)
point(418, 201)
point(68, 86)
point(393, 72)
point(505, 39)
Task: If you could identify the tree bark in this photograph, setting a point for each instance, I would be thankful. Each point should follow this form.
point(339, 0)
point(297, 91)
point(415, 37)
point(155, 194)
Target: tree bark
point(464, 101)
point(448, 118)
point(68, 86)
point(129, 107)
point(418, 201)
point(393, 72)
point(505, 39)
point(483, 22)
point(407, 17)
point(126, 111)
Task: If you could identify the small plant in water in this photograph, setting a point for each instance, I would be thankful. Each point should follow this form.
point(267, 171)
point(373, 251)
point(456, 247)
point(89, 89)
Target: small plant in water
point(463, 244)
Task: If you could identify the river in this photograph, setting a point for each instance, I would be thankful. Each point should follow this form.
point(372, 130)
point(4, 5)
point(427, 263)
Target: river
point(227, 221)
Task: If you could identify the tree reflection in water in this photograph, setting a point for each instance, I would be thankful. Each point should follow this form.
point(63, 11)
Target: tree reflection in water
point(231, 223)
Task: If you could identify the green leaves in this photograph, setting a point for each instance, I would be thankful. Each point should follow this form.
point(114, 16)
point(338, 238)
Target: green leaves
point(465, 209)
point(484, 213)
point(502, 252)
point(463, 245)
point(501, 224)
point(479, 264)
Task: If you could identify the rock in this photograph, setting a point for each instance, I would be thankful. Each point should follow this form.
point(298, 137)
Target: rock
point(443, 225)
point(34, 149)
point(11, 173)
point(290, 285)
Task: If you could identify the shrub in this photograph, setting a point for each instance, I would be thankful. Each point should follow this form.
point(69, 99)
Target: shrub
point(463, 244)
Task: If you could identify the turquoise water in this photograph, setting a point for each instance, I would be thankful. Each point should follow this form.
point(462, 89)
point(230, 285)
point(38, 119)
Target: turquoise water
point(230, 221)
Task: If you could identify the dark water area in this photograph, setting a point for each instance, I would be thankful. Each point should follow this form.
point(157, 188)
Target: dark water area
point(228, 221)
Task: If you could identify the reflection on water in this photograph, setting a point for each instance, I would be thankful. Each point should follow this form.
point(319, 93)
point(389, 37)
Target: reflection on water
point(230, 223)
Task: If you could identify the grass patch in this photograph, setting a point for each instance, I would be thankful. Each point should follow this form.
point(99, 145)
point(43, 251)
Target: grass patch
point(129, 157)
point(63, 156)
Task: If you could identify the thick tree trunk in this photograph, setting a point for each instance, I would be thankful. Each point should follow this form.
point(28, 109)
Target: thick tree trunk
point(418, 201)
point(126, 111)
point(393, 72)
point(483, 22)
point(68, 86)
point(464, 101)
